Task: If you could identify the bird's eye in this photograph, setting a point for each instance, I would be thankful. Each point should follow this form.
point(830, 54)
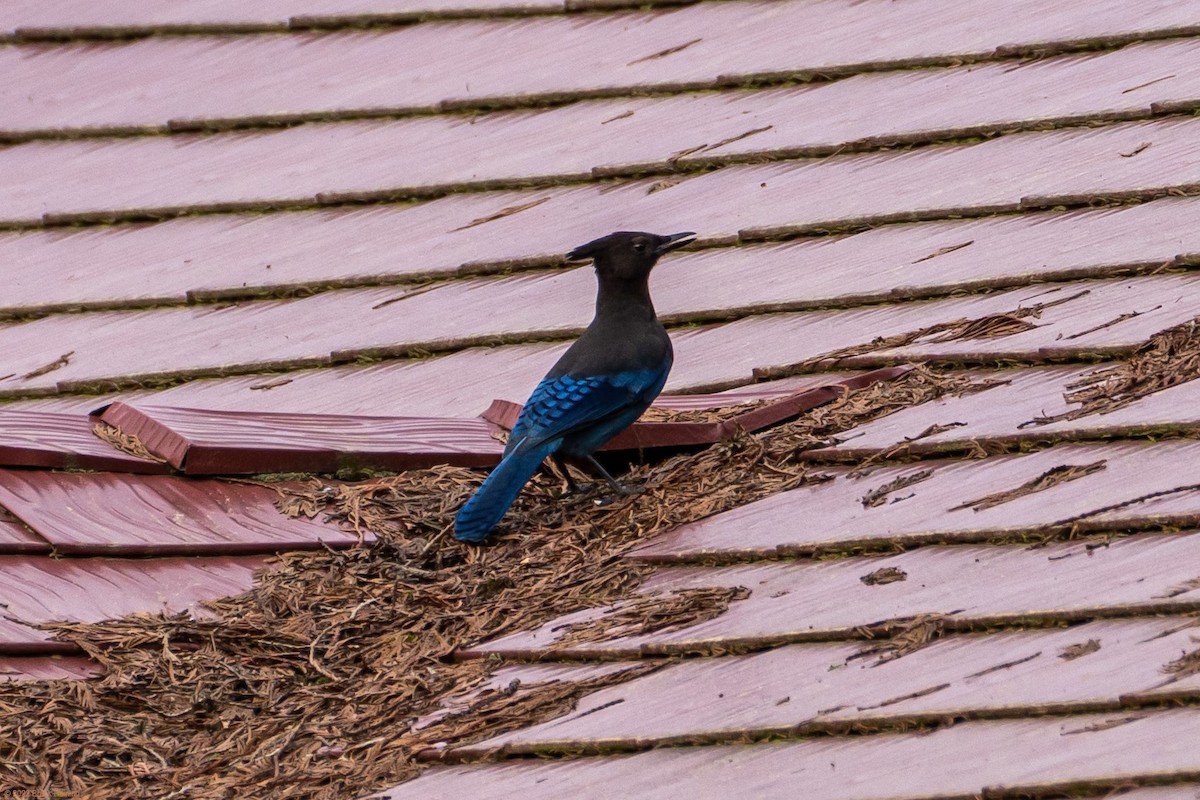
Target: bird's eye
point(640, 245)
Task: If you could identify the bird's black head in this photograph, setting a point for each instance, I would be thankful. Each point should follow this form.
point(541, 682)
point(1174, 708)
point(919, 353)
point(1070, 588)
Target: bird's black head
point(628, 255)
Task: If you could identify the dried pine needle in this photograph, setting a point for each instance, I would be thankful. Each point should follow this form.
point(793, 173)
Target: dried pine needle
point(125, 442)
point(1047, 480)
point(649, 613)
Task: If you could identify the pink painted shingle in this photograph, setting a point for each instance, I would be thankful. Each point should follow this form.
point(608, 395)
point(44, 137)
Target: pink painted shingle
point(40, 590)
point(62, 441)
point(46, 668)
point(115, 514)
point(204, 442)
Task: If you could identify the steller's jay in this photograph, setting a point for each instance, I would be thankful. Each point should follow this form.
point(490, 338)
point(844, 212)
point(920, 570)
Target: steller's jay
point(597, 389)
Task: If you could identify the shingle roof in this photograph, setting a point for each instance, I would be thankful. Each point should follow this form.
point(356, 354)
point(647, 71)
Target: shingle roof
point(327, 237)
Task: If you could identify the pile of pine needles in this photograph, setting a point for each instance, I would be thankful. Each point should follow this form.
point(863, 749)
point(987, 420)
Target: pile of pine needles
point(309, 685)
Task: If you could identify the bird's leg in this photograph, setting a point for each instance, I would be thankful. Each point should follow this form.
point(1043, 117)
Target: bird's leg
point(572, 486)
point(612, 482)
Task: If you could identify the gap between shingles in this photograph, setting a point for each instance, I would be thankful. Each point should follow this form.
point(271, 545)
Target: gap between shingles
point(334, 23)
point(316, 24)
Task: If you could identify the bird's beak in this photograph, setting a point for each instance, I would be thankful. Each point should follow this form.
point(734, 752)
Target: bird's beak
point(675, 241)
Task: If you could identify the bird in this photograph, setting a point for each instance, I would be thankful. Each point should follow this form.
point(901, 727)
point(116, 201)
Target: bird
point(600, 385)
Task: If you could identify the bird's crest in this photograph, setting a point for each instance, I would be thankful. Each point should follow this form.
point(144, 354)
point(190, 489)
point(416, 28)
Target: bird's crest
point(589, 250)
point(639, 243)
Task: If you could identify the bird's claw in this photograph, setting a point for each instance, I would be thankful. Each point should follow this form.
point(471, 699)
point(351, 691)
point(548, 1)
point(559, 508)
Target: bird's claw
point(619, 493)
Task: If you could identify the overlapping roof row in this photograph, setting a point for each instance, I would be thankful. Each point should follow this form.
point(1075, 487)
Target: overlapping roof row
point(127, 349)
point(575, 143)
point(395, 262)
point(707, 45)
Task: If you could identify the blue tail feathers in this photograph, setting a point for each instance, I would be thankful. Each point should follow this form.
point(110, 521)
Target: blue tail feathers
point(488, 505)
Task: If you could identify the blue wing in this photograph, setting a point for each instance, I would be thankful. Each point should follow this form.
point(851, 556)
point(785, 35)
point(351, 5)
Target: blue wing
point(567, 405)
point(573, 415)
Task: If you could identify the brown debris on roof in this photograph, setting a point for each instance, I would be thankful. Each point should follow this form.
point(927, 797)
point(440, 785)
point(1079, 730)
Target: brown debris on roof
point(649, 613)
point(125, 442)
point(1079, 650)
point(1170, 358)
point(891, 701)
point(303, 499)
point(1187, 664)
point(990, 326)
point(889, 400)
point(879, 495)
point(1048, 479)
point(884, 575)
point(1133, 501)
point(659, 414)
point(310, 682)
point(1104, 725)
point(518, 706)
point(943, 251)
point(918, 386)
point(1117, 320)
point(934, 430)
point(1183, 587)
point(665, 183)
point(904, 638)
point(57, 363)
point(664, 53)
point(507, 211)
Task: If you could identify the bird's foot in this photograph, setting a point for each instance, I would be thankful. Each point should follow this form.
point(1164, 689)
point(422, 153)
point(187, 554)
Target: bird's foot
point(619, 492)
